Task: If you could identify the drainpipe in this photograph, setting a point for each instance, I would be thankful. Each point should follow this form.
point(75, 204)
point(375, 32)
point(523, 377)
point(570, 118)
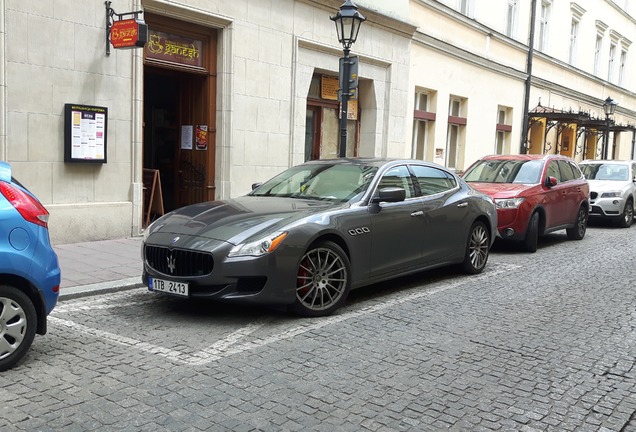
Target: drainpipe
point(526, 101)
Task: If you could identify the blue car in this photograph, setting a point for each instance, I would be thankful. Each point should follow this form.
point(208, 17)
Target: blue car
point(29, 270)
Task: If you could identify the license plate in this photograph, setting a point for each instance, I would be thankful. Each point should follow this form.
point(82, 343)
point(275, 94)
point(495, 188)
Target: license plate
point(170, 287)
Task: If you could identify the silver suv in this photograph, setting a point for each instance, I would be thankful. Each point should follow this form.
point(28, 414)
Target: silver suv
point(612, 189)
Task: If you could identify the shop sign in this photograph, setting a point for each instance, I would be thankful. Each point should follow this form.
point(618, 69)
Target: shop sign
point(128, 33)
point(174, 49)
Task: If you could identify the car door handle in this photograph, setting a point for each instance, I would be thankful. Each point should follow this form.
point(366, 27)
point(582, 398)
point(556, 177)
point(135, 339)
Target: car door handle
point(417, 213)
point(464, 204)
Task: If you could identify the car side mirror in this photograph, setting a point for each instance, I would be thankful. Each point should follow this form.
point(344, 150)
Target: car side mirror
point(551, 181)
point(255, 185)
point(389, 194)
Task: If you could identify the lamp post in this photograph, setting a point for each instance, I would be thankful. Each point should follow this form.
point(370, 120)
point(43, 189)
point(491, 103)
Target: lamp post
point(609, 107)
point(348, 21)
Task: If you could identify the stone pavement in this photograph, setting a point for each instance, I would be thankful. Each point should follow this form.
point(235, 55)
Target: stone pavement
point(99, 266)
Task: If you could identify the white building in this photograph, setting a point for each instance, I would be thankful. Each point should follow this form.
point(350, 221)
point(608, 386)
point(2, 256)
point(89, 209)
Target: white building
point(228, 93)
point(469, 74)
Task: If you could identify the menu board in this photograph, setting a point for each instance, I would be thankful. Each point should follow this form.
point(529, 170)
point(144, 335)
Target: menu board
point(85, 133)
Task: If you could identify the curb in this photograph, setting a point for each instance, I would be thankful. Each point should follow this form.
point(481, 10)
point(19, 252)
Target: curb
point(99, 288)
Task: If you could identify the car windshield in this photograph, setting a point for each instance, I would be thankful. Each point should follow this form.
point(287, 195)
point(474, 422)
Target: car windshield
point(505, 171)
point(338, 182)
point(605, 171)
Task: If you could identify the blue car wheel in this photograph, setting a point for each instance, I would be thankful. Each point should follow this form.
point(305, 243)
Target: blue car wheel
point(18, 323)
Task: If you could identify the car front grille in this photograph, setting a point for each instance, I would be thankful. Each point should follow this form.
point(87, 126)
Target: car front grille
point(593, 195)
point(178, 262)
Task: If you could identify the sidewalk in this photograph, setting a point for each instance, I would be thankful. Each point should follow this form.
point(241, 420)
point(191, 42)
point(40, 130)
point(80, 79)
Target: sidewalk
point(99, 266)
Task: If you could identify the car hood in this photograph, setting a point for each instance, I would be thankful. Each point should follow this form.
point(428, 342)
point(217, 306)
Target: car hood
point(236, 220)
point(502, 190)
point(607, 185)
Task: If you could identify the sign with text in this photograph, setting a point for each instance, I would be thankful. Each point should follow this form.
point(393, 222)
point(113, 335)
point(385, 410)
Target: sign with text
point(85, 133)
point(171, 48)
point(329, 87)
point(129, 33)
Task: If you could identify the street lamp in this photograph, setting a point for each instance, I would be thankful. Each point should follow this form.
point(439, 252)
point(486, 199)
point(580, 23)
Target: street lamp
point(609, 107)
point(348, 21)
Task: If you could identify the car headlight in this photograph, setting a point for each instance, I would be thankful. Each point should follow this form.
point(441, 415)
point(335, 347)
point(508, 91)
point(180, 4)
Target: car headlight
point(611, 195)
point(508, 203)
point(259, 247)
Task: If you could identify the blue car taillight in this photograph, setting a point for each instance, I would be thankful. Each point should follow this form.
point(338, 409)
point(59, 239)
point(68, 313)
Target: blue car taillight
point(29, 207)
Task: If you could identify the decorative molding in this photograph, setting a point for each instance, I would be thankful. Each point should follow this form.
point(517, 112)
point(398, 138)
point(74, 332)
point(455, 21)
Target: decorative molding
point(577, 11)
point(601, 27)
point(615, 36)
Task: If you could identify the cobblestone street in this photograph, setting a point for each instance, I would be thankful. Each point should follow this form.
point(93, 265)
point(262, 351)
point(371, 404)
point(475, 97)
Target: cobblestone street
point(538, 342)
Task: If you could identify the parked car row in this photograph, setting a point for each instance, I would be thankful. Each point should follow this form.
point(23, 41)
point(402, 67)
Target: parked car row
point(308, 236)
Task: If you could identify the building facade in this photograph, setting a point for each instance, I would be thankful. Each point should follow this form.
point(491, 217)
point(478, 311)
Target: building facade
point(226, 94)
point(477, 79)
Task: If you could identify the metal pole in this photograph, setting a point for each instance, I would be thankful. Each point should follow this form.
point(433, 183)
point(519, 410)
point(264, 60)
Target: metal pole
point(606, 137)
point(344, 100)
point(526, 101)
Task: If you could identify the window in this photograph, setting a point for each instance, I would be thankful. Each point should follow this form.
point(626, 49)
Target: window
point(566, 171)
point(398, 177)
point(456, 126)
point(543, 25)
point(502, 137)
point(467, 7)
point(610, 67)
point(621, 68)
point(574, 31)
point(421, 117)
point(432, 180)
point(597, 54)
point(511, 18)
point(553, 171)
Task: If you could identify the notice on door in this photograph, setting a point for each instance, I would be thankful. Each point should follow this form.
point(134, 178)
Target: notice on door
point(186, 137)
point(202, 137)
point(85, 132)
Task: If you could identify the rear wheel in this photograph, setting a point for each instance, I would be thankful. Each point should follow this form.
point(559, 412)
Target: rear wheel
point(322, 281)
point(531, 241)
point(627, 218)
point(577, 232)
point(477, 249)
point(18, 322)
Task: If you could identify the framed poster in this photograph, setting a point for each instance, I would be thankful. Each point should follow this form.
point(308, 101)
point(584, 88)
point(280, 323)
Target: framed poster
point(85, 133)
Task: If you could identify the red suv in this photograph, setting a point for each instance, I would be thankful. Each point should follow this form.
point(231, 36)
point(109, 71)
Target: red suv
point(534, 194)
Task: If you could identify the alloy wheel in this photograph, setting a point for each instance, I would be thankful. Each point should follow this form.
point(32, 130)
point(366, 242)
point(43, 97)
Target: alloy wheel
point(322, 279)
point(478, 246)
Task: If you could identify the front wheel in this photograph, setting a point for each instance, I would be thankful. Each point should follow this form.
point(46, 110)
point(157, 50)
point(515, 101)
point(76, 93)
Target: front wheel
point(531, 241)
point(627, 218)
point(323, 280)
point(477, 249)
point(18, 322)
point(577, 232)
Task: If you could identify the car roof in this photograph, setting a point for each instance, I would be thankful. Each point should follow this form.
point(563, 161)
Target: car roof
point(526, 157)
point(378, 162)
point(602, 161)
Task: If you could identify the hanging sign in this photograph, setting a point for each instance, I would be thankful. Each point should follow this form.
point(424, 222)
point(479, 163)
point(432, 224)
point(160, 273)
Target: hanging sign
point(128, 33)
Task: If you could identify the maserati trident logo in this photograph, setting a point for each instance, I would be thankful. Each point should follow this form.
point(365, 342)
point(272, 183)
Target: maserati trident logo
point(171, 264)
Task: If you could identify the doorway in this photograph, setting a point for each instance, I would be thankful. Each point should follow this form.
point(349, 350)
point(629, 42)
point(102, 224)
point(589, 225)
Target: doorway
point(179, 120)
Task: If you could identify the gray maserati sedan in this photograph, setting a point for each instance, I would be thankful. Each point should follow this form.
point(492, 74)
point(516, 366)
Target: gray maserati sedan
point(311, 234)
